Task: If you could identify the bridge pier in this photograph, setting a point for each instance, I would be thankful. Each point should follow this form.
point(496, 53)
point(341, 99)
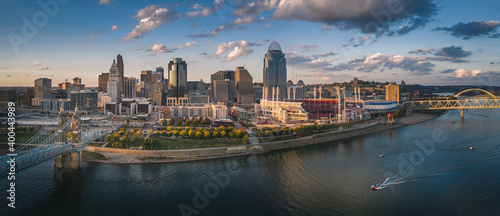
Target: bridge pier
point(462, 113)
point(73, 159)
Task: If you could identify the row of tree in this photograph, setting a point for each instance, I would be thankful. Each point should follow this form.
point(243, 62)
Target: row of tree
point(203, 133)
point(195, 121)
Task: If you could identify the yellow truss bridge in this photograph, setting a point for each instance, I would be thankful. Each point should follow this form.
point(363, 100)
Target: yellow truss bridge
point(469, 103)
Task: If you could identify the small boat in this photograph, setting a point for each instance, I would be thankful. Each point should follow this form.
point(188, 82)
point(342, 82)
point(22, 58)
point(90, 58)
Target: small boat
point(382, 155)
point(472, 147)
point(376, 187)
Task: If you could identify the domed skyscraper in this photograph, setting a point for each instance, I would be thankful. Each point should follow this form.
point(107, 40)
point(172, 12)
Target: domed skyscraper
point(274, 73)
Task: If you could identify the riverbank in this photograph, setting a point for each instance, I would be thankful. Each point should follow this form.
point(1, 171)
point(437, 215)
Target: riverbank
point(110, 155)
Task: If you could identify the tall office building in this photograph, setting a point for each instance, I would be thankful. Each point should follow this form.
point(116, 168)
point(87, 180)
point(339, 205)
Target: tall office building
point(162, 72)
point(244, 86)
point(43, 88)
point(114, 82)
point(177, 78)
point(274, 73)
point(119, 60)
point(85, 100)
point(221, 78)
point(392, 93)
point(103, 82)
point(129, 88)
point(146, 76)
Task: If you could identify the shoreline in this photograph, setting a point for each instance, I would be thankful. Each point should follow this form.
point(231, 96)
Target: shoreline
point(122, 156)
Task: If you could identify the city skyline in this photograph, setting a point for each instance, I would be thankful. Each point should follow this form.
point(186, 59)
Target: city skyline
point(434, 42)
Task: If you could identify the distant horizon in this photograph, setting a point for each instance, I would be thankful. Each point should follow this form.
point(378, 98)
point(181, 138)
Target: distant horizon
point(429, 42)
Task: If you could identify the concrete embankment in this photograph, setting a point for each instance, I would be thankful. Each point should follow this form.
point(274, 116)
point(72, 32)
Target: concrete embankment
point(163, 156)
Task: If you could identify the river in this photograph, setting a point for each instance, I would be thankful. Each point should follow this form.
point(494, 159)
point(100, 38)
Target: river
point(431, 168)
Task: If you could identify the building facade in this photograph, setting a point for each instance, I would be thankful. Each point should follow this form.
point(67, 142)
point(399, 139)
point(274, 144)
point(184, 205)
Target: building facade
point(103, 83)
point(113, 84)
point(129, 88)
point(244, 86)
point(177, 78)
point(275, 74)
point(392, 93)
point(121, 76)
point(226, 89)
point(86, 101)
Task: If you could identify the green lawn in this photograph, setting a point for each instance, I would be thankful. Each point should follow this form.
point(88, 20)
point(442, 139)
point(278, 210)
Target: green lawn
point(172, 144)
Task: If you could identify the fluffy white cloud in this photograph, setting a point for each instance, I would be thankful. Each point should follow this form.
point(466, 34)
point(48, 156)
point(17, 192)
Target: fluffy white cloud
point(236, 49)
point(462, 73)
point(150, 18)
point(114, 28)
point(186, 45)
point(104, 2)
point(159, 48)
point(255, 7)
point(44, 68)
point(37, 63)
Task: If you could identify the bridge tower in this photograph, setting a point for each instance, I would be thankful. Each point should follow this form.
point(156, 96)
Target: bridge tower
point(72, 160)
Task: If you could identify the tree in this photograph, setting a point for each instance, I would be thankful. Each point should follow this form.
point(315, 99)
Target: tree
point(198, 135)
point(187, 128)
point(202, 122)
point(207, 120)
point(221, 128)
point(170, 128)
point(69, 135)
point(187, 122)
point(175, 133)
point(191, 134)
point(164, 133)
point(171, 121)
point(31, 128)
point(215, 134)
point(183, 133)
point(194, 122)
point(179, 121)
point(206, 134)
point(231, 134)
point(164, 122)
point(223, 134)
point(267, 133)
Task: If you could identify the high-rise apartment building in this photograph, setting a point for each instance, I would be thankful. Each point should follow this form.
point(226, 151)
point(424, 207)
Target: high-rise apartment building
point(129, 88)
point(274, 73)
point(392, 93)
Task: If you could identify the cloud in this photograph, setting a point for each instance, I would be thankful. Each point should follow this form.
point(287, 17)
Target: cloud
point(370, 17)
point(322, 55)
point(415, 65)
point(422, 51)
point(114, 28)
point(37, 63)
point(236, 24)
point(462, 73)
point(307, 63)
point(104, 2)
point(4, 68)
point(473, 29)
point(197, 6)
point(448, 71)
point(44, 68)
point(236, 50)
point(255, 7)
point(138, 49)
point(362, 40)
point(95, 34)
point(159, 48)
point(186, 45)
point(453, 52)
point(201, 13)
point(307, 47)
point(150, 18)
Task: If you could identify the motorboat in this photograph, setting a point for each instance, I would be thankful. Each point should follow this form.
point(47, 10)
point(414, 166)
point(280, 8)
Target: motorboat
point(382, 155)
point(472, 147)
point(376, 186)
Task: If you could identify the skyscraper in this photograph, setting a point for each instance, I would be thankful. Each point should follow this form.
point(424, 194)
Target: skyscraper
point(114, 82)
point(129, 88)
point(244, 86)
point(119, 60)
point(274, 73)
point(392, 93)
point(177, 78)
point(43, 88)
point(217, 81)
point(103, 82)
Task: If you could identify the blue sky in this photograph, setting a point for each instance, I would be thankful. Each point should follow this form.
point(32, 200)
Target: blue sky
point(443, 42)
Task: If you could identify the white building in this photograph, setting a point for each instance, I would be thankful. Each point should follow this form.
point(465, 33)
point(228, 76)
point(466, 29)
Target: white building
point(103, 99)
point(195, 110)
point(283, 111)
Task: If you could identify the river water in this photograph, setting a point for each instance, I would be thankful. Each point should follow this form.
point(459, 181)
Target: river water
point(431, 168)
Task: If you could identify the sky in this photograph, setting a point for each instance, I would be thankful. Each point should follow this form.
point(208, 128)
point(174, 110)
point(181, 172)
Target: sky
point(430, 42)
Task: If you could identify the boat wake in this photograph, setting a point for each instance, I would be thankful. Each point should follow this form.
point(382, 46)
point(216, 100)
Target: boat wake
point(388, 182)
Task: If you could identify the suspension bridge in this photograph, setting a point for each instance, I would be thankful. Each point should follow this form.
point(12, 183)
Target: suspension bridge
point(488, 102)
point(62, 143)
